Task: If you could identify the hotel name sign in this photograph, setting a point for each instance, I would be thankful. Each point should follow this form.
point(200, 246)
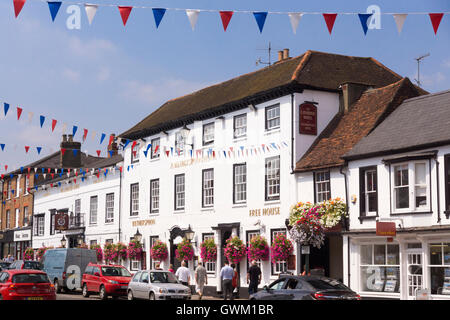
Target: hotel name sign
point(143, 223)
point(275, 211)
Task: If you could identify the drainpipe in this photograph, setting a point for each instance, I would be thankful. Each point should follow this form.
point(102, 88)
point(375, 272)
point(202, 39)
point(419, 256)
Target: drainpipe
point(120, 199)
point(346, 226)
point(437, 189)
point(292, 133)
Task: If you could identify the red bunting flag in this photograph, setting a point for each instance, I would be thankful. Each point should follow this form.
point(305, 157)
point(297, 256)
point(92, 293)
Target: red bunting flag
point(52, 174)
point(156, 148)
point(167, 152)
point(98, 152)
point(330, 18)
point(19, 112)
point(27, 148)
point(133, 145)
point(18, 5)
point(2, 178)
point(54, 124)
point(75, 180)
point(111, 139)
point(226, 17)
point(85, 134)
point(436, 20)
point(29, 171)
point(125, 13)
point(63, 151)
point(6, 167)
point(120, 169)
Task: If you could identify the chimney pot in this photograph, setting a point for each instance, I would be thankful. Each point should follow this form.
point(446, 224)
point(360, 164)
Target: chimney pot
point(280, 55)
point(70, 137)
point(285, 54)
point(64, 138)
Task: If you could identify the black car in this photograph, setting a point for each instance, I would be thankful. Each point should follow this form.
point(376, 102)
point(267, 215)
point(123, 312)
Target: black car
point(25, 264)
point(289, 287)
point(4, 265)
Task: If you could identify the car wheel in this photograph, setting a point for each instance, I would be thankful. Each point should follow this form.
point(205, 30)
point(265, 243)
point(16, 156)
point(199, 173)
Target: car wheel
point(130, 295)
point(85, 291)
point(57, 287)
point(103, 295)
point(152, 296)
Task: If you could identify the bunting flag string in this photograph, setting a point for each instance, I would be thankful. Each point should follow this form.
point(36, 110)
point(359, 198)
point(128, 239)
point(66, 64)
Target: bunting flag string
point(225, 16)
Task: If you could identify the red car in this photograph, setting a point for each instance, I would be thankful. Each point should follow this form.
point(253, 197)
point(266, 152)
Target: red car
point(26, 285)
point(106, 280)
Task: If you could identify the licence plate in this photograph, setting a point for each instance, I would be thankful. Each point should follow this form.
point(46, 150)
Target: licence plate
point(177, 297)
point(124, 287)
point(35, 298)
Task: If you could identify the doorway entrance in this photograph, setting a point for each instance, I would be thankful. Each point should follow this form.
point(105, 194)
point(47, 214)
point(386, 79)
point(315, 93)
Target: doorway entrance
point(414, 272)
point(175, 232)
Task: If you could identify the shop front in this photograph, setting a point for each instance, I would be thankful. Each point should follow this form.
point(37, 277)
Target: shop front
point(401, 267)
point(7, 244)
point(22, 240)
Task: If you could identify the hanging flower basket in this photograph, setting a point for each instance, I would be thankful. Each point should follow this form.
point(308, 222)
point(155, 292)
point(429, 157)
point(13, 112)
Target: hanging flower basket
point(134, 250)
point(184, 251)
point(258, 249)
point(122, 250)
point(235, 250)
point(333, 212)
point(306, 224)
point(208, 250)
point(281, 248)
point(40, 252)
point(159, 251)
point(28, 254)
point(110, 252)
point(99, 251)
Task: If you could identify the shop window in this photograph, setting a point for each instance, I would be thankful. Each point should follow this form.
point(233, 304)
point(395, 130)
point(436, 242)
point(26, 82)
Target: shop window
point(380, 268)
point(439, 266)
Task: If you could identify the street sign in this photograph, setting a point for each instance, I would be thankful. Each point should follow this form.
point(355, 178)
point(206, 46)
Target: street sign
point(305, 249)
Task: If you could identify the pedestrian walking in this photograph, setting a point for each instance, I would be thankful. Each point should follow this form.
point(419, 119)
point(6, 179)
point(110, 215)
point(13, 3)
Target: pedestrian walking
point(201, 278)
point(253, 278)
point(183, 274)
point(226, 275)
point(158, 266)
point(235, 281)
point(171, 268)
point(10, 258)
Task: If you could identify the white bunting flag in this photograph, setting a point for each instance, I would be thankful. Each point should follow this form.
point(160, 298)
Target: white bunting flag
point(193, 17)
point(295, 19)
point(93, 135)
point(400, 20)
point(30, 116)
point(64, 127)
point(91, 10)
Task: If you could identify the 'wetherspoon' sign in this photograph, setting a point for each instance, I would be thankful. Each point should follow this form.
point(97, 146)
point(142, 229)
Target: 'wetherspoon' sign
point(264, 212)
point(140, 223)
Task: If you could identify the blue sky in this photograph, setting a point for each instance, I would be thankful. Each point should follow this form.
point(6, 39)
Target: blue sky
point(107, 77)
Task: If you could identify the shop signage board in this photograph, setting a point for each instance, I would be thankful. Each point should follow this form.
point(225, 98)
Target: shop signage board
point(386, 229)
point(308, 119)
point(61, 220)
point(24, 235)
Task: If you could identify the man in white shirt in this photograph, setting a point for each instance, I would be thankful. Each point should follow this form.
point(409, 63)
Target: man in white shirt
point(183, 274)
point(226, 275)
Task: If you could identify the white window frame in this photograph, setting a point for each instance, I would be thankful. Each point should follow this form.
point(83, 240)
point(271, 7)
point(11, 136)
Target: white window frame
point(250, 235)
point(240, 126)
point(27, 184)
point(135, 159)
point(271, 117)
point(155, 142)
point(180, 189)
point(429, 266)
point(272, 178)
point(373, 189)
point(8, 189)
point(134, 199)
point(154, 196)
point(17, 192)
point(278, 266)
point(320, 180)
point(207, 188)
point(109, 208)
point(16, 216)
point(208, 133)
point(93, 210)
point(411, 165)
point(240, 183)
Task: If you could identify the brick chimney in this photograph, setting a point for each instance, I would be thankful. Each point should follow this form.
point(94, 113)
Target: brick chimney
point(285, 54)
point(113, 147)
point(69, 160)
point(350, 93)
point(280, 56)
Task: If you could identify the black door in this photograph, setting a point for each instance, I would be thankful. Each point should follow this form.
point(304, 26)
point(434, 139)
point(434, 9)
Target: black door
point(226, 234)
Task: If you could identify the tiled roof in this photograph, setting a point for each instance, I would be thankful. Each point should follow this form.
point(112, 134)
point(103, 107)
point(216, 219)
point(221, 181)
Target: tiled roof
point(313, 69)
point(418, 123)
point(346, 129)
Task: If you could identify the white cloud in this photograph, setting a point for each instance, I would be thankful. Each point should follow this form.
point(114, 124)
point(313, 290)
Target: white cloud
point(103, 74)
point(446, 63)
point(71, 74)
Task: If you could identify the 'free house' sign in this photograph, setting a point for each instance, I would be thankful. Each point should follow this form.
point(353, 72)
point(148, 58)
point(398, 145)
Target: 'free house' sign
point(308, 118)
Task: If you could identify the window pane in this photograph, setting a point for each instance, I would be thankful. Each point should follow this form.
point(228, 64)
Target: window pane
point(402, 198)
point(393, 254)
point(447, 253)
point(439, 282)
point(366, 254)
point(436, 254)
point(420, 173)
point(379, 254)
point(372, 202)
point(421, 197)
point(380, 279)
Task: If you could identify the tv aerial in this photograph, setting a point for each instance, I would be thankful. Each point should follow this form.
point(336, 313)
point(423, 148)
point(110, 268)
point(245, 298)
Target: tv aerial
point(419, 59)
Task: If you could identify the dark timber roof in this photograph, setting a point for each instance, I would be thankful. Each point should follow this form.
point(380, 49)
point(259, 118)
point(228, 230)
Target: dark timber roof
point(311, 70)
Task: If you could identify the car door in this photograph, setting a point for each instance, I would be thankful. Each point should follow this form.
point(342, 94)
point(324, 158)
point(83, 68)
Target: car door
point(275, 290)
point(96, 281)
point(143, 286)
point(294, 289)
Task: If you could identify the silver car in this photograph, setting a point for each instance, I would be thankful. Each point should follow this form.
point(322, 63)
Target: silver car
point(157, 285)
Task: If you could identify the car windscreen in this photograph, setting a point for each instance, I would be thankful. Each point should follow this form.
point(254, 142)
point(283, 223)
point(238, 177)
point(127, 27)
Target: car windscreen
point(33, 265)
point(30, 278)
point(326, 284)
point(115, 272)
point(162, 277)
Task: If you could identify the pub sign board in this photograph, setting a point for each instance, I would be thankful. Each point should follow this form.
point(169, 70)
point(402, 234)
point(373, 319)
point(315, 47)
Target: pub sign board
point(308, 118)
point(61, 220)
point(386, 229)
